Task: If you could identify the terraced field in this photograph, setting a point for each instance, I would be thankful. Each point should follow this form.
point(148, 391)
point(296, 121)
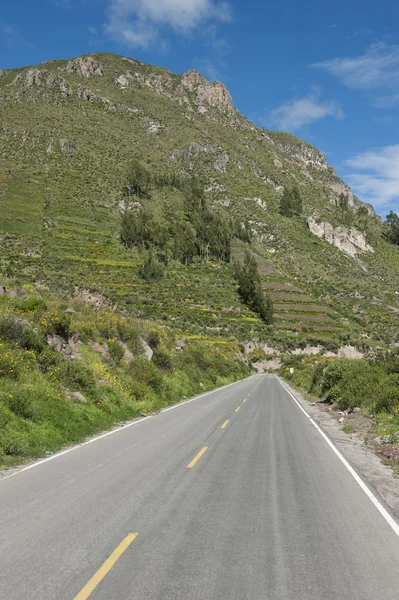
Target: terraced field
point(297, 310)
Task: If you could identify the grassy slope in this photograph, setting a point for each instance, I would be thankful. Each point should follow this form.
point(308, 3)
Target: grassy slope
point(37, 416)
point(63, 166)
point(73, 201)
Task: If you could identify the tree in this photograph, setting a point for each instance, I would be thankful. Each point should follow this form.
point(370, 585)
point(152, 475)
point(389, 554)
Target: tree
point(291, 202)
point(250, 288)
point(139, 180)
point(151, 269)
point(391, 228)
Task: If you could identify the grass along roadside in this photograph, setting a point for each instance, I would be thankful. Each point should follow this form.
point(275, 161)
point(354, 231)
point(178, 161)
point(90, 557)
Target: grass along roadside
point(362, 395)
point(68, 373)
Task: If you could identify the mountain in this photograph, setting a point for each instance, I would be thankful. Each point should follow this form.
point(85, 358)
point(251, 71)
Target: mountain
point(69, 133)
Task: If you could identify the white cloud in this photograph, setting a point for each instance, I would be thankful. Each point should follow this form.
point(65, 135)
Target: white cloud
point(137, 22)
point(12, 38)
point(378, 66)
point(378, 181)
point(297, 113)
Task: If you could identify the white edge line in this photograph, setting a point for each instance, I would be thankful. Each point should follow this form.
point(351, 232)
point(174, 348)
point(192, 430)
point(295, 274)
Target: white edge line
point(389, 519)
point(121, 428)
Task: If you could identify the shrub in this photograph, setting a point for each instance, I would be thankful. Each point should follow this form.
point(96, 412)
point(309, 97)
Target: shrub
point(32, 304)
point(77, 376)
point(151, 269)
point(116, 351)
point(57, 324)
point(162, 360)
point(291, 202)
point(153, 339)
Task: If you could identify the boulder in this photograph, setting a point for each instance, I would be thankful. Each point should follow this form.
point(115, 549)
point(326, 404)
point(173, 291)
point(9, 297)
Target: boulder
point(97, 347)
point(56, 342)
point(17, 293)
point(77, 396)
point(2, 290)
point(70, 311)
point(25, 324)
point(148, 351)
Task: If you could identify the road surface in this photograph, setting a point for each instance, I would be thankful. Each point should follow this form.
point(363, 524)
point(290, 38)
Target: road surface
point(232, 496)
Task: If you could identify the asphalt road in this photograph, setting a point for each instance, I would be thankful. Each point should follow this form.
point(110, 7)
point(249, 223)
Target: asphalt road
point(257, 508)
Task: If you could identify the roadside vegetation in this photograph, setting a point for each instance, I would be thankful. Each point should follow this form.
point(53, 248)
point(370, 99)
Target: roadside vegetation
point(67, 375)
point(371, 385)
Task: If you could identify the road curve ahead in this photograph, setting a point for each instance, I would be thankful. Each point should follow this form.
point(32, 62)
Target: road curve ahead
point(233, 496)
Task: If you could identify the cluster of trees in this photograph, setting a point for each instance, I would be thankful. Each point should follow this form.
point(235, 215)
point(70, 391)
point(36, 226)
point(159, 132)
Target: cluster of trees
point(291, 203)
point(250, 288)
point(180, 231)
point(391, 228)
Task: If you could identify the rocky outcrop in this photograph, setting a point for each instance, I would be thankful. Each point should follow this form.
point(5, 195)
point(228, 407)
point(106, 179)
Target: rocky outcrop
point(161, 83)
point(350, 352)
point(87, 95)
point(220, 157)
point(275, 184)
point(147, 350)
point(34, 78)
point(208, 93)
point(347, 239)
point(59, 84)
point(85, 66)
point(304, 155)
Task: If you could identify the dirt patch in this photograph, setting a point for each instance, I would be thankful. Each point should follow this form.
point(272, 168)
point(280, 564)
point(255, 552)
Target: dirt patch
point(268, 365)
point(349, 352)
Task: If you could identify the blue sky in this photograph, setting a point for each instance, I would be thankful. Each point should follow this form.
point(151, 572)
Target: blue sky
point(327, 72)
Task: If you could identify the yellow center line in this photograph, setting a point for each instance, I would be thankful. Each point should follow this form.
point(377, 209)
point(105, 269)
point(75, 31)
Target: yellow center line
point(106, 567)
point(244, 400)
point(224, 424)
point(238, 408)
point(196, 459)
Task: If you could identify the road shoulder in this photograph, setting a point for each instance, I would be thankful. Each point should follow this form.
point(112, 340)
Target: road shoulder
point(353, 448)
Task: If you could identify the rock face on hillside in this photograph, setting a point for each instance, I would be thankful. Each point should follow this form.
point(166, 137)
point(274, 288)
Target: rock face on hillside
point(208, 93)
point(347, 239)
point(85, 66)
point(304, 155)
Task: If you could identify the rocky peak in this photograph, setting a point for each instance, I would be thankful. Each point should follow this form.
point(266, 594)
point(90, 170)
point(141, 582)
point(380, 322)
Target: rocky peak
point(208, 93)
point(85, 66)
point(192, 79)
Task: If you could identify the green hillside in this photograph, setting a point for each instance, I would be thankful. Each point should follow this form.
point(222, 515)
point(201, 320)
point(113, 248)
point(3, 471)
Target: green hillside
point(70, 130)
